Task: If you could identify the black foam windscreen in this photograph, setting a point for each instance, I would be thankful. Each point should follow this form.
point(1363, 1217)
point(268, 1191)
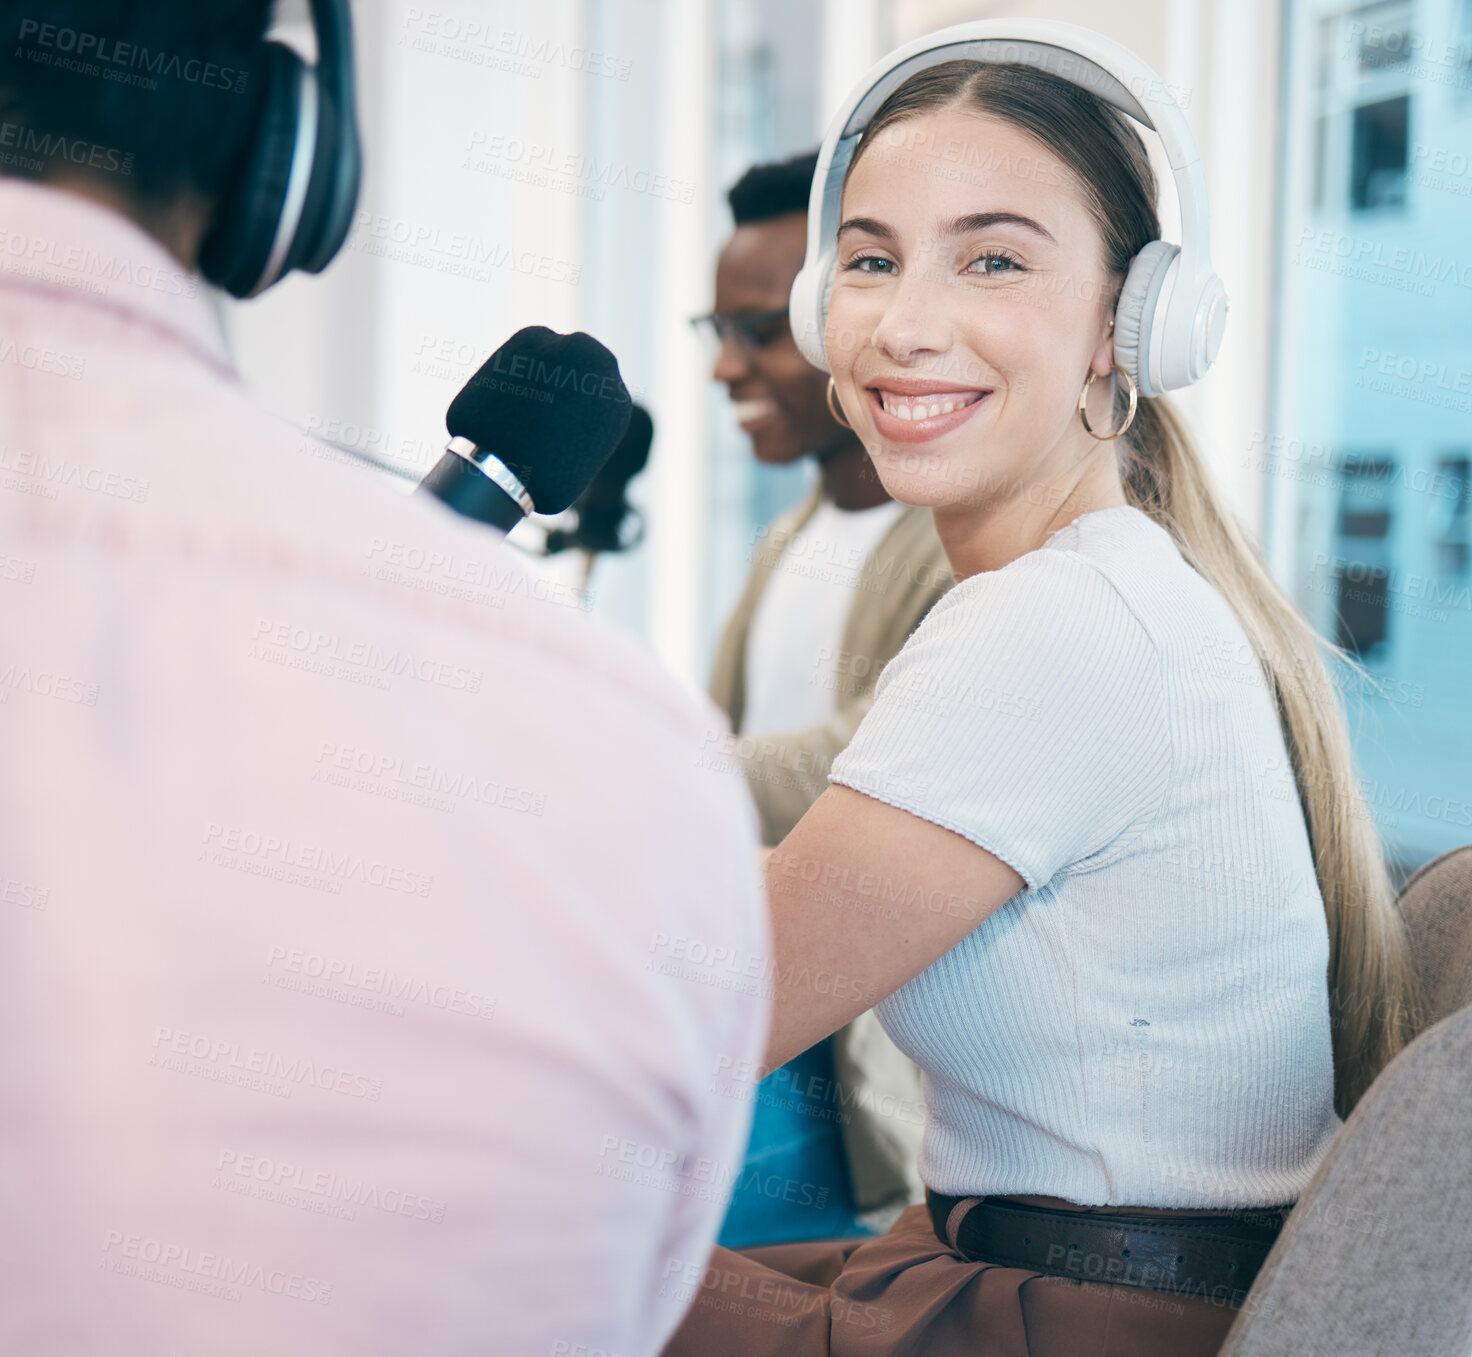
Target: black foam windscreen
point(552, 407)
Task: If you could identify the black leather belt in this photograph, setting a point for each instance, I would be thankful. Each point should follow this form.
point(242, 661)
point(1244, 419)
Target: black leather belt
point(1214, 1257)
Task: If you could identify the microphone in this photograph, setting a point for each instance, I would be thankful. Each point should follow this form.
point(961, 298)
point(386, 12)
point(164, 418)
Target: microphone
point(606, 521)
point(531, 428)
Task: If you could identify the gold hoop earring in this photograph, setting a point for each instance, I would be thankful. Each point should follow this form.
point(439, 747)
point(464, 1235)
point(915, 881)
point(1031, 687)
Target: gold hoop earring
point(1128, 419)
point(834, 408)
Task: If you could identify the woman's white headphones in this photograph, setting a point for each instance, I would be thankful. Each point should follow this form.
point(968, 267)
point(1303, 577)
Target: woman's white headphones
point(1172, 309)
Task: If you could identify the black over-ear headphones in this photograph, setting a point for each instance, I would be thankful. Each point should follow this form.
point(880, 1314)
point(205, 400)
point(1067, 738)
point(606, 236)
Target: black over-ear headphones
point(292, 203)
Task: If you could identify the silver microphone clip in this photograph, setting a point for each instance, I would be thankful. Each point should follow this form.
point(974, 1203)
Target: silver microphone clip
point(493, 469)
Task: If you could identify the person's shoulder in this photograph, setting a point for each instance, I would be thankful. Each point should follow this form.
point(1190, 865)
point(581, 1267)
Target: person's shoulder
point(1120, 533)
point(313, 524)
point(1087, 563)
point(431, 568)
point(1150, 571)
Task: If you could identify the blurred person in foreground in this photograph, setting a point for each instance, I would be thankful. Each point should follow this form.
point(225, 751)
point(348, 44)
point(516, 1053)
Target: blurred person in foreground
point(836, 586)
point(340, 1004)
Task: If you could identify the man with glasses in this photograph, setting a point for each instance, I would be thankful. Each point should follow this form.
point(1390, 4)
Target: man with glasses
point(837, 585)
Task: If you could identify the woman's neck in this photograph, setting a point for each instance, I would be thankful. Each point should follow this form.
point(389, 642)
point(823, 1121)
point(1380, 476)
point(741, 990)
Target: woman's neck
point(981, 537)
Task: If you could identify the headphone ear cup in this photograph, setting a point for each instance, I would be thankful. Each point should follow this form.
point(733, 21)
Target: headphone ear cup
point(1134, 314)
point(807, 307)
point(247, 217)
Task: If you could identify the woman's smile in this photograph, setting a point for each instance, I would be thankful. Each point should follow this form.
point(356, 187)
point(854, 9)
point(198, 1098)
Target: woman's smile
point(913, 410)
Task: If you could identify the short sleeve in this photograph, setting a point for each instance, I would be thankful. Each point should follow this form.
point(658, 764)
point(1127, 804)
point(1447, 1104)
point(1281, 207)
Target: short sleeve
point(1026, 713)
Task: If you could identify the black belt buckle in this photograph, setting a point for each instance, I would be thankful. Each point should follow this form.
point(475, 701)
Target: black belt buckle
point(1214, 1258)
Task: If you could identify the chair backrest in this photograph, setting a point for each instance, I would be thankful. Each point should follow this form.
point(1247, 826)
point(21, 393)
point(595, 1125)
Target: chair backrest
point(1376, 1257)
point(1436, 904)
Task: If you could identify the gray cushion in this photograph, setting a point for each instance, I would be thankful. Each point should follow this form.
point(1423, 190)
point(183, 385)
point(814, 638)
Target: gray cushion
point(1436, 904)
point(1376, 1258)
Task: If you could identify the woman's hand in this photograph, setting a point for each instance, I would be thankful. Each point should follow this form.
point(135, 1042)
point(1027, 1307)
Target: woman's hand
point(864, 897)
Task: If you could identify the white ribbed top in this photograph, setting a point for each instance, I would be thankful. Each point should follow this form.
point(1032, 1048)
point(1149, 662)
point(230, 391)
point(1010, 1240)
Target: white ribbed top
point(1146, 1023)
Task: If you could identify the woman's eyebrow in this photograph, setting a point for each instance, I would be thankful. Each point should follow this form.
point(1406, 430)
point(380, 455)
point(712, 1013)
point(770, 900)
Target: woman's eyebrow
point(869, 226)
point(961, 226)
point(980, 221)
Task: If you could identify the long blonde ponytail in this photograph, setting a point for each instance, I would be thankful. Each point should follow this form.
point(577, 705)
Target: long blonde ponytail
point(1374, 1000)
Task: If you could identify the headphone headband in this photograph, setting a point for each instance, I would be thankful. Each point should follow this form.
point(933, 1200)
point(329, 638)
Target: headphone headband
point(1170, 317)
point(336, 74)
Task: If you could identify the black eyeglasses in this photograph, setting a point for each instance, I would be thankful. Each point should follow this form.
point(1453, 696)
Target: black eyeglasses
point(751, 329)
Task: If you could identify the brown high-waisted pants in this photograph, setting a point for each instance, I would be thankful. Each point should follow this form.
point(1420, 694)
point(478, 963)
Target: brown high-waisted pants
point(908, 1294)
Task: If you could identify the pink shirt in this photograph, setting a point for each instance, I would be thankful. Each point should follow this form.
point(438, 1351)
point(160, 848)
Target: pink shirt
point(366, 924)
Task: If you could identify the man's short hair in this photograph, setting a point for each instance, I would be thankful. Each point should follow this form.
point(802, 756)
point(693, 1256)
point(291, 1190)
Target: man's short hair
point(773, 190)
point(155, 98)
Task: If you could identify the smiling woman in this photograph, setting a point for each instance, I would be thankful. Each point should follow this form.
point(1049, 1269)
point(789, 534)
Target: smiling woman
point(998, 314)
point(1068, 809)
